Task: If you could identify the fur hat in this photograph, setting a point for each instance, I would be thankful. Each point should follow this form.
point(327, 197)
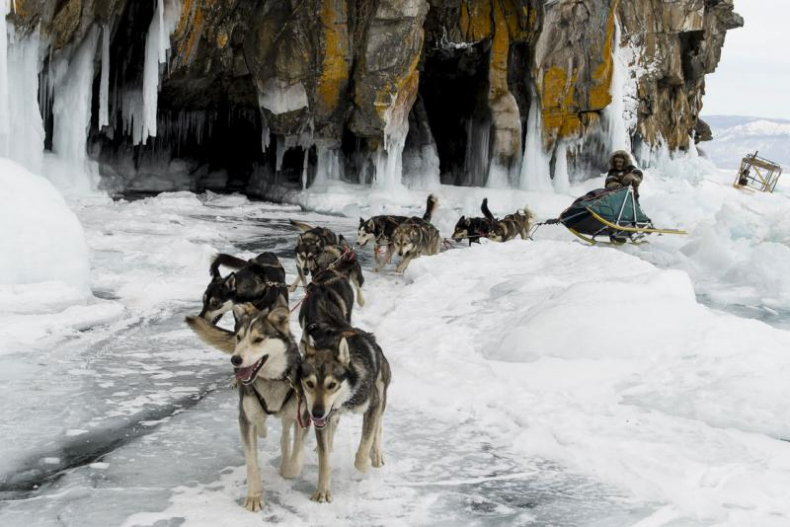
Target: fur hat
point(623, 154)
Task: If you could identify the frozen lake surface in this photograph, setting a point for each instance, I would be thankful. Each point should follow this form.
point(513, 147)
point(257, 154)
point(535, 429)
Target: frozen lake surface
point(114, 414)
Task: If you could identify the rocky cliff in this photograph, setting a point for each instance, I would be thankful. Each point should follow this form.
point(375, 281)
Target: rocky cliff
point(266, 94)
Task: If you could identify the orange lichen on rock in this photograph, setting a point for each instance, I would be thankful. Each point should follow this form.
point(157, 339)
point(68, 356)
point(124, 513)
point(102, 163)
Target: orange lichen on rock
point(475, 20)
point(599, 94)
point(500, 47)
point(189, 31)
point(334, 64)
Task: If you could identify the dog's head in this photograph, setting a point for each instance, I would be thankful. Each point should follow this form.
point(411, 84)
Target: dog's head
point(366, 231)
point(403, 238)
point(218, 297)
point(307, 250)
point(262, 337)
point(462, 228)
point(324, 372)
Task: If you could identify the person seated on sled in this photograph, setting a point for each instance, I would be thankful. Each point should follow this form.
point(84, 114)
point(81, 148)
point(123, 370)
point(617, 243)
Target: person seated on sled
point(622, 173)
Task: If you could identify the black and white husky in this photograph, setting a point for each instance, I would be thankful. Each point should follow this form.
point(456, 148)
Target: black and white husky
point(344, 370)
point(260, 281)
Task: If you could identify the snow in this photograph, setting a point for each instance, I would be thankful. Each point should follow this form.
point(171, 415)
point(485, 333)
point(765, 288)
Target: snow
point(42, 239)
point(566, 385)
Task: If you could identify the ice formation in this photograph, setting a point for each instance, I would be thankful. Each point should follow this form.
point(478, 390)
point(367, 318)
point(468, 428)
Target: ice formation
point(620, 117)
point(72, 114)
point(535, 174)
point(5, 117)
point(26, 144)
point(279, 96)
point(157, 44)
point(562, 183)
point(104, 83)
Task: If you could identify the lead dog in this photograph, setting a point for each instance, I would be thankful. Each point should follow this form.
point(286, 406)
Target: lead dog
point(265, 360)
point(260, 281)
point(344, 370)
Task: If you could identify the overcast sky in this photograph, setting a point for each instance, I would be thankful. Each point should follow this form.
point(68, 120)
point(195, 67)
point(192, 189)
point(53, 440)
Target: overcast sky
point(753, 77)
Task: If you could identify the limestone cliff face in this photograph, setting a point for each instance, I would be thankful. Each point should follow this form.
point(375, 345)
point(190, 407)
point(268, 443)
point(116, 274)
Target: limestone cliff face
point(287, 91)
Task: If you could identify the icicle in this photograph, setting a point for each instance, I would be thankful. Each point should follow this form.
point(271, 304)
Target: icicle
point(104, 85)
point(327, 166)
point(614, 115)
point(304, 167)
point(562, 183)
point(72, 114)
point(5, 112)
point(26, 143)
point(280, 153)
point(157, 43)
point(535, 175)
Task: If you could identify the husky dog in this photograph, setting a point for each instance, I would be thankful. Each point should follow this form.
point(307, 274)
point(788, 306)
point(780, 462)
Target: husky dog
point(473, 229)
point(328, 298)
point(266, 361)
point(260, 281)
point(308, 247)
point(513, 225)
point(343, 260)
point(379, 229)
point(344, 370)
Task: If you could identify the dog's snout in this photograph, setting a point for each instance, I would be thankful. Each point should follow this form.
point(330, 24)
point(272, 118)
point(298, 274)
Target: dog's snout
point(236, 360)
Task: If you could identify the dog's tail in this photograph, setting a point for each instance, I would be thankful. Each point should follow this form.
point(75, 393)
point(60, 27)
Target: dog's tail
point(430, 207)
point(226, 260)
point(526, 211)
point(304, 227)
point(212, 335)
point(484, 209)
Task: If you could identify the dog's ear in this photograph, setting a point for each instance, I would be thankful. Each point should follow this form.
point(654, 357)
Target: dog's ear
point(243, 310)
point(279, 318)
point(361, 222)
point(230, 282)
point(343, 352)
point(281, 302)
point(308, 346)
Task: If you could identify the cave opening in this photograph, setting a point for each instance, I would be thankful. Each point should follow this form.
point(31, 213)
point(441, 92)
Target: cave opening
point(454, 90)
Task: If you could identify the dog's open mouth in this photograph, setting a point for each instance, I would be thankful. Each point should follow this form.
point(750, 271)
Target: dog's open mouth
point(320, 422)
point(248, 374)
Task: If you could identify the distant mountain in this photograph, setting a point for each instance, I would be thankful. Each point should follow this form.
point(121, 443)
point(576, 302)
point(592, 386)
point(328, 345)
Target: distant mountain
point(734, 136)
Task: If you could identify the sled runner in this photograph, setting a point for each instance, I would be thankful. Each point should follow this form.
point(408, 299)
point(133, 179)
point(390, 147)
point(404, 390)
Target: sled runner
point(611, 214)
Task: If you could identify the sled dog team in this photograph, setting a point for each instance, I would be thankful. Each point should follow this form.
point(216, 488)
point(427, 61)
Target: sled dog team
point(335, 368)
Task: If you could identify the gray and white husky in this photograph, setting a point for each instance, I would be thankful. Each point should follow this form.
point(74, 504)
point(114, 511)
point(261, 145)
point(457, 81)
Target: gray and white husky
point(416, 237)
point(344, 370)
point(265, 360)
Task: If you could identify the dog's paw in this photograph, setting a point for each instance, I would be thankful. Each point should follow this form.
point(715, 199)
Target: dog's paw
point(322, 496)
point(253, 503)
point(377, 459)
point(361, 301)
point(292, 288)
point(290, 471)
point(362, 462)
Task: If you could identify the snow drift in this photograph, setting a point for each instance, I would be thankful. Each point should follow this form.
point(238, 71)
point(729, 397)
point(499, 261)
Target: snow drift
point(42, 239)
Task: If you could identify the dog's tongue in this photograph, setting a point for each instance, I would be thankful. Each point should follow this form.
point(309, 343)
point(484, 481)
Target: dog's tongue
point(319, 423)
point(244, 374)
